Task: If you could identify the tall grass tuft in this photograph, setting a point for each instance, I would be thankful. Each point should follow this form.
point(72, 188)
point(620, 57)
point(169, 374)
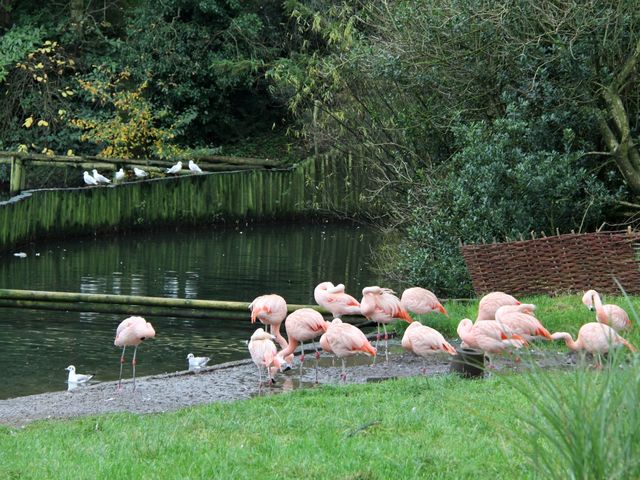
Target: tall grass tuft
point(586, 423)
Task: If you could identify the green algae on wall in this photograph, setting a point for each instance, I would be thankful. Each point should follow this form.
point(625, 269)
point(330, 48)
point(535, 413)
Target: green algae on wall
point(317, 186)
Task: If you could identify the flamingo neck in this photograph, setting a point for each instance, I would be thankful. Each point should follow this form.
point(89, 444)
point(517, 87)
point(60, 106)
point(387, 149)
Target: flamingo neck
point(291, 347)
point(568, 340)
point(601, 315)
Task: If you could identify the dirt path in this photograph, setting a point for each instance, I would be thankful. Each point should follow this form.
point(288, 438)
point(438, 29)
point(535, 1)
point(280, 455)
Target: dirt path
point(227, 382)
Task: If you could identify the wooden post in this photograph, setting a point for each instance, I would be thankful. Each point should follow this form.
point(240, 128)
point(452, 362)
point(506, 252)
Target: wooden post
point(16, 181)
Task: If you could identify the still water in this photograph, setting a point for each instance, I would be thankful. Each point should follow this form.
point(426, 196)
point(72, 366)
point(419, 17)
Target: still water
point(218, 263)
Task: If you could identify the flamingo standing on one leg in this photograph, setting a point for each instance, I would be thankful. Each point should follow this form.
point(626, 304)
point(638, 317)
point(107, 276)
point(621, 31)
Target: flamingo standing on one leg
point(519, 320)
point(491, 302)
point(425, 341)
point(491, 337)
point(420, 300)
point(595, 338)
point(333, 298)
point(381, 306)
point(264, 354)
point(303, 325)
point(345, 340)
point(271, 310)
point(132, 332)
point(609, 314)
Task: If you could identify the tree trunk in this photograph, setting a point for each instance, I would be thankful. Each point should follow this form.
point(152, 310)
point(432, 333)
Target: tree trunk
point(76, 8)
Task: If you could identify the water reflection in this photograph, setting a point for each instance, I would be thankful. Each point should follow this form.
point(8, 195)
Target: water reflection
point(220, 264)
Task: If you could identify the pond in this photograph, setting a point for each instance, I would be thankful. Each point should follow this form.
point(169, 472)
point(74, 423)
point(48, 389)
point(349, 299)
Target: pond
point(216, 263)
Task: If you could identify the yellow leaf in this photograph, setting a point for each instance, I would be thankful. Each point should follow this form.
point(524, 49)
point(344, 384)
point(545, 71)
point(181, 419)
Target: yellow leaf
point(69, 92)
point(69, 153)
point(62, 112)
point(48, 42)
point(28, 122)
point(40, 65)
point(43, 123)
point(64, 94)
point(22, 147)
point(39, 79)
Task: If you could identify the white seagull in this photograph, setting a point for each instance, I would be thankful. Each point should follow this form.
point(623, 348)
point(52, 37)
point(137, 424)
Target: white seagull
point(89, 180)
point(119, 175)
point(176, 168)
point(100, 178)
point(139, 172)
point(77, 377)
point(194, 168)
point(196, 363)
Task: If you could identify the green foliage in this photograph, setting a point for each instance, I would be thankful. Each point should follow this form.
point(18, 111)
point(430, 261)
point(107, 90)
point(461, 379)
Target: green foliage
point(15, 45)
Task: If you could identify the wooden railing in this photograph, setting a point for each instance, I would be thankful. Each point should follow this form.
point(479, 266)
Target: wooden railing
point(19, 162)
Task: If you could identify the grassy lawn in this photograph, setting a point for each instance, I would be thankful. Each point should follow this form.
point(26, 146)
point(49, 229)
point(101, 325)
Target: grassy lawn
point(438, 427)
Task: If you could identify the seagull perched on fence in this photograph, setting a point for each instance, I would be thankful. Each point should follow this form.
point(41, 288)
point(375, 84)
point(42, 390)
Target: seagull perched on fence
point(139, 172)
point(176, 168)
point(77, 377)
point(100, 178)
point(194, 168)
point(89, 180)
point(119, 175)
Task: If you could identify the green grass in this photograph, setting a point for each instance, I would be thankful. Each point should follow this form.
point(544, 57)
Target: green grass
point(583, 423)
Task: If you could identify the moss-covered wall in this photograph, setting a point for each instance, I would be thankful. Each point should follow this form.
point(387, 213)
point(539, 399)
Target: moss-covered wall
point(315, 186)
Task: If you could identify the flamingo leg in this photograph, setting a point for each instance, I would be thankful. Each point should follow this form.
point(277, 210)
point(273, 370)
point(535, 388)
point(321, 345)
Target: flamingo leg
point(133, 366)
point(386, 343)
point(378, 336)
point(301, 357)
point(343, 375)
point(317, 359)
point(121, 363)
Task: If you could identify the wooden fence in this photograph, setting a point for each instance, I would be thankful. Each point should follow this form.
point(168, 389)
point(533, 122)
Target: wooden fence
point(324, 184)
point(557, 264)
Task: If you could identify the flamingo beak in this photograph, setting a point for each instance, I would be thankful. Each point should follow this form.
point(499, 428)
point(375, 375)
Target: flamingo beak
point(442, 310)
point(521, 339)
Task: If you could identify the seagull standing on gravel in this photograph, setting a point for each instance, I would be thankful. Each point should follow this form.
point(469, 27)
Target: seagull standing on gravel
point(194, 168)
point(139, 172)
point(89, 180)
point(100, 178)
point(176, 168)
point(196, 363)
point(119, 175)
point(77, 377)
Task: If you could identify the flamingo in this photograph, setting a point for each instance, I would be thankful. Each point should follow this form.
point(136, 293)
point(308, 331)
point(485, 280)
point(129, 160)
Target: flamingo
point(303, 325)
point(594, 338)
point(345, 340)
point(100, 178)
point(519, 320)
point(89, 180)
point(193, 167)
point(491, 302)
point(271, 310)
point(264, 353)
point(333, 298)
point(76, 377)
point(175, 168)
point(425, 341)
point(609, 314)
point(490, 337)
point(381, 306)
point(140, 173)
point(132, 332)
point(420, 300)
point(196, 363)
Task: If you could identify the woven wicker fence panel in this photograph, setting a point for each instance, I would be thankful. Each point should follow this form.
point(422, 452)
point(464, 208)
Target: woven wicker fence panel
point(558, 264)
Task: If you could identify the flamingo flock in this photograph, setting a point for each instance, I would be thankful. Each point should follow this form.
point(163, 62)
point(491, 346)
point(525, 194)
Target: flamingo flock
point(503, 325)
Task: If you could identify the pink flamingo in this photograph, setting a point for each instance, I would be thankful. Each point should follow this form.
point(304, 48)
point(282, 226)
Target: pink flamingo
point(490, 337)
point(519, 320)
point(594, 338)
point(609, 314)
point(345, 340)
point(132, 332)
point(424, 341)
point(333, 298)
point(491, 302)
point(303, 325)
point(264, 354)
point(381, 306)
point(271, 310)
point(420, 300)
